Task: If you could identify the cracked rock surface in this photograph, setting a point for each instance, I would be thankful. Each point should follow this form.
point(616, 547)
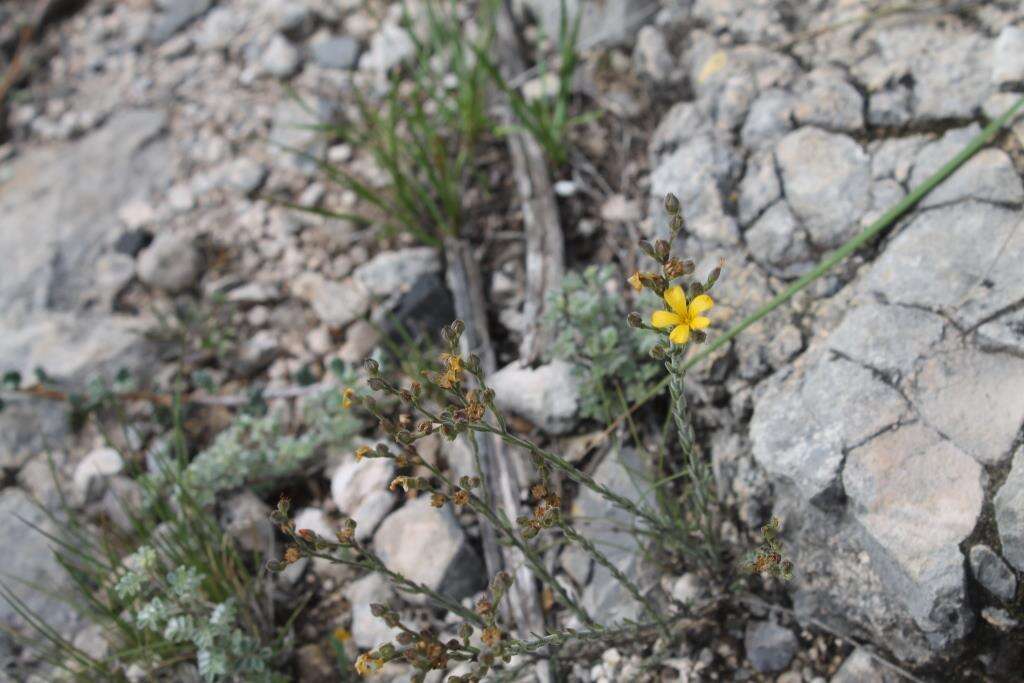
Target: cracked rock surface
point(894, 427)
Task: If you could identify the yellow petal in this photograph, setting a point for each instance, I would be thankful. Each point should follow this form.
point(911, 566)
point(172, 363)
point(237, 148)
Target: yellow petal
point(676, 299)
point(700, 304)
point(662, 319)
point(680, 335)
point(699, 322)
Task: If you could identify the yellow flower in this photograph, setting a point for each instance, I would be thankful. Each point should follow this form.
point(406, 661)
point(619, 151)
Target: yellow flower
point(367, 664)
point(634, 281)
point(682, 317)
point(346, 401)
point(342, 635)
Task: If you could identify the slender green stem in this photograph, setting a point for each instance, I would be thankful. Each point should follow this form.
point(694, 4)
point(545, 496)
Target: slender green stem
point(830, 261)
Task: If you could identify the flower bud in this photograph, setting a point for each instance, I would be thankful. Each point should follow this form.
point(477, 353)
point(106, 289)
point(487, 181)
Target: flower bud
point(634, 319)
point(671, 204)
point(675, 224)
point(698, 336)
point(662, 250)
point(378, 610)
point(372, 366)
point(647, 248)
point(658, 352)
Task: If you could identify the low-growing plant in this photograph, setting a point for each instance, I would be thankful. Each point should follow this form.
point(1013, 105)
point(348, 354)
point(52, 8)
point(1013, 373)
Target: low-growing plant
point(424, 134)
point(583, 317)
point(431, 129)
point(464, 407)
point(170, 589)
point(546, 116)
point(258, 450)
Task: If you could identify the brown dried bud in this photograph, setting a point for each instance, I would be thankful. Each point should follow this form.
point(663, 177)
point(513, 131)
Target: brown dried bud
point(635, 320)
point(404, 638)
point(437, 500)
point(465, 631)
point(306, 535)
point(460, 498)
point(658, 352)
point(372, 366)
point(491, 636)
point(538, 491)
point(378, 610)
point(676, 268)
point(698, 336)
point(291, 555)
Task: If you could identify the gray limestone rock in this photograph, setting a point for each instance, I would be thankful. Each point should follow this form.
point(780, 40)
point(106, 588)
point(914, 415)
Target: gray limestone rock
point(360, 490)
point(280, 58)
point(31, 560)
point(174, 16)
point(962, 260)
point(609, 528)
point(769, 119)
point(824, 98)
point(826, 180)
point(426, 545)
point(992, 573)
point(861, 667)
point(394, 272)
point(769, 647)
point(605, 22)
point(60, 208)
point(803, 425)
point(547, 396)
point(918, 496)
point(987, 176)
point(759, 188)
point(695, 173)
point(973, 398)
point(336, 52)
point(907, 335)
point(1009, 508)
point(171, 263)
point(777, 241)
point(1008, 56)
point(336, 303)
point(939, 56)
point(369, 631)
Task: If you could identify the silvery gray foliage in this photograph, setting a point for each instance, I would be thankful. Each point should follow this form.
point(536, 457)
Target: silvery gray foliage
point(175, 607)
point(263, 448)
point(586, 318)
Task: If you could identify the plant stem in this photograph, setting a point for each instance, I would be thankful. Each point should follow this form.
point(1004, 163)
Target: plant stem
point(852, 245)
